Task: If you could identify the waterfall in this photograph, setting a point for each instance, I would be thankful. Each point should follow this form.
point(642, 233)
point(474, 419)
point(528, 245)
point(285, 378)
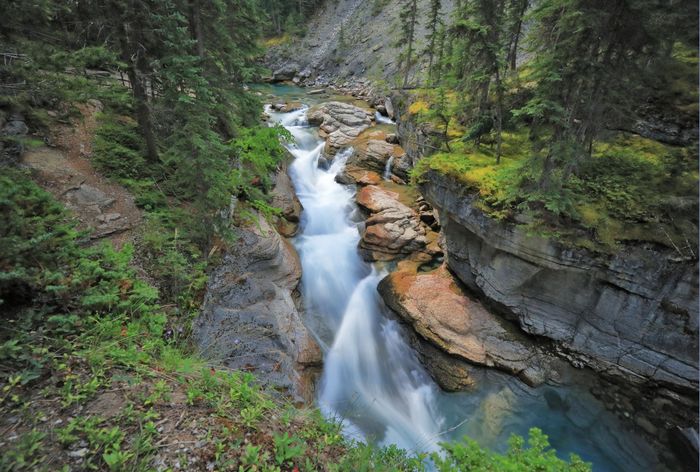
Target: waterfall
point(372, 380)
point(387, 168)
point(381, 119)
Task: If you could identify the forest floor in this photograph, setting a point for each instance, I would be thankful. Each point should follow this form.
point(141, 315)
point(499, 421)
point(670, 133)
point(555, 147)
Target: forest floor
point(105, 208)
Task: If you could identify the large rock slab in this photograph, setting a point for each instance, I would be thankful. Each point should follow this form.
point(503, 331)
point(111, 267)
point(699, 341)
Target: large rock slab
point(392, 229)
point(435, 306)
point(632, 315)
point(340, 123)
point(250, 320)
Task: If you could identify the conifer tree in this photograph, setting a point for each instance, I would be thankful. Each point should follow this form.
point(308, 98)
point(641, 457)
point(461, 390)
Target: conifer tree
point(409, 21)
point(433, 37)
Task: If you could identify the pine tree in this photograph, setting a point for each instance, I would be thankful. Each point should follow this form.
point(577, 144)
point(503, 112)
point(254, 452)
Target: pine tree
point(409, 21)
point(590, 61)
point(433, 36)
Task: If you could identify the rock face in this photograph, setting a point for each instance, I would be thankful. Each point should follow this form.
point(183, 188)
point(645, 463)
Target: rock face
point(284, 197)
point(632, 315)
point(249, 318)
point(340, 123)
point(285, 72)
point(392, 230)
point(417, 139)
point(434, 305)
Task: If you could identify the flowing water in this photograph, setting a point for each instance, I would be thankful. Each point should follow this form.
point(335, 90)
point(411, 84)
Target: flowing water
point(387, 168)
point(379, 118)
point(372, 380)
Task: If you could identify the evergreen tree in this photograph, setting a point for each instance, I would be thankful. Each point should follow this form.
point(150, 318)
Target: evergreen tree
point(590, 60)
point(433, 37)
point(480, 32)
point(409, 21)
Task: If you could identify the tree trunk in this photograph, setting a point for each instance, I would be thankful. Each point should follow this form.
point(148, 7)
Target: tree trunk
point(411, 31)
point(195, 21)
point(499, 115)
point(515, 38)
point(128, 49)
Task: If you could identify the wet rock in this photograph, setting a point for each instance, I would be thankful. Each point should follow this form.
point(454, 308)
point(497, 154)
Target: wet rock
point(356, 175)
point(249, 318)
point(392, 138)
point(392, 230)
point(341, 123)
point(434, 305)
point(389, 106)
point(290, 106)
point(374, 152)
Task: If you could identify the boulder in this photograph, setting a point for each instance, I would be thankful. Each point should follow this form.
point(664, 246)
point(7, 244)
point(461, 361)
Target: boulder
point(250, 320)
point(286, 72)
point(15, 128)
point(392, 229)
point(356, 175)
point(389, 108)
point(341, 123)
point(439, 311)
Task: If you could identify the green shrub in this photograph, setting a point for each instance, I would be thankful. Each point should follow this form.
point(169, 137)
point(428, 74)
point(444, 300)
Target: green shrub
point(118, 148)
point(538, 456)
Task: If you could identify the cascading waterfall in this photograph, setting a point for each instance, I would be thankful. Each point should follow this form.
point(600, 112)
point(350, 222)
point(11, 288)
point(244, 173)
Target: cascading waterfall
point(372, 380)
point(387, 168)
point(381, 119)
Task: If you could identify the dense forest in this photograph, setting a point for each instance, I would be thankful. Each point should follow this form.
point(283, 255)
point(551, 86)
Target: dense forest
point(552, 86)
point(531, 92)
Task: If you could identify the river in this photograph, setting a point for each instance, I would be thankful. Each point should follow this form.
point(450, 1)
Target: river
point(372, 380)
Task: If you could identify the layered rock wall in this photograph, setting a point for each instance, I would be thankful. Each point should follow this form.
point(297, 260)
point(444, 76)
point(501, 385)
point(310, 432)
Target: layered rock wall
point(633, 314)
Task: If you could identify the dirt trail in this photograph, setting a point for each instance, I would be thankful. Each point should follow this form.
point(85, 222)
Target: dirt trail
point(66, 171)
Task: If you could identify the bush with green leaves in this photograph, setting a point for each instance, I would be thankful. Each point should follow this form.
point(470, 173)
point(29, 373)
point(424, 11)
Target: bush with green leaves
point(537, 456)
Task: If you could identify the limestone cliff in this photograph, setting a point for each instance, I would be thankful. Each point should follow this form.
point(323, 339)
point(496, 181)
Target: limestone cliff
point(633, 314)
point(348, 39)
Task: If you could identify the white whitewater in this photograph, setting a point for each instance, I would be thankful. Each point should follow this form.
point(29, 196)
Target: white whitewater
point(381, 119)
point(372, 381)
point(387, 168)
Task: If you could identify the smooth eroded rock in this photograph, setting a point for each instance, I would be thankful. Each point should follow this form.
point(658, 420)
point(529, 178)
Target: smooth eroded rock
point(392, 229)
point(436, 307)
point(340, 123)
point(250, 320)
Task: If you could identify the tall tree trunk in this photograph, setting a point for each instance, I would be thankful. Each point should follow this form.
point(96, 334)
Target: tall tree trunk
point(499, 115)
point(195, 21)
point(515, 37)
point(133, 57)
point(411, 33)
